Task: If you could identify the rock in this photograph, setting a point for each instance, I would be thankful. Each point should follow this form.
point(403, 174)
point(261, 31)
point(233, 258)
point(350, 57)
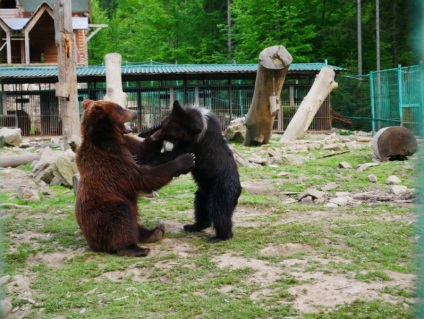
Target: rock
point(235, 133)
point(344, 165)
point(316, 194)
point(69, 154)
point(282, 174)
point(43, 169)
point(331, 147)
point(372, 178)
point(341, 201)
point(257, 160)
point(342, 194)
point(399, 189)
point(64, 170)
point(27, 194)
point(365, 166)
point(307, 201)
point(11, 136)
point(272, 152)
point(5, 308)
point(313, 193)
point(55, 181)
point(238, 121)
point(393, 179)
point(329, 186)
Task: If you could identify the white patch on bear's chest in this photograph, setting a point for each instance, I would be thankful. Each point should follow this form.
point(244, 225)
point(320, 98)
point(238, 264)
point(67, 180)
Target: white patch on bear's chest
point(204, 113)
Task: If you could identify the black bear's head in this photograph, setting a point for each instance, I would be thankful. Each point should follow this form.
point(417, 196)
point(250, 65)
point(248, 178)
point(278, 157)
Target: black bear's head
point(181, 125)
point(104, 119)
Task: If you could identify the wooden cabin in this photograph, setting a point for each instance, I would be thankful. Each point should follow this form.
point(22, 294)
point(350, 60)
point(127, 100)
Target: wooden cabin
point(27, 34)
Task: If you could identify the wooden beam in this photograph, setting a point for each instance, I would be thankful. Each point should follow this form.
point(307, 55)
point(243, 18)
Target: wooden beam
point(99, 26)
point(27, 60)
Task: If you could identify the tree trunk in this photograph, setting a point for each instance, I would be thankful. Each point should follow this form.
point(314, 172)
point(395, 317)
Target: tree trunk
point(273, 65)
point(18, 160)
point(114, 91)
point(323, 85)
point(66, 89)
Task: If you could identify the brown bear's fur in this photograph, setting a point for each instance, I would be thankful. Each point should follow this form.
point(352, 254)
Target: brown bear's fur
point(110, 180)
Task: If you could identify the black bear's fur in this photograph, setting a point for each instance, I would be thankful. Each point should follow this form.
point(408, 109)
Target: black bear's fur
point(198, 131)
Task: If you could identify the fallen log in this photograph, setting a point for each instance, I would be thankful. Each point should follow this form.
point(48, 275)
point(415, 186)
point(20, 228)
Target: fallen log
point(18, 160)
point(323, 85)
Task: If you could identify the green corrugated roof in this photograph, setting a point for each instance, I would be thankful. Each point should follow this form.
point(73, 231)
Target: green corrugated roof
point(152, 69)
point(33, 5)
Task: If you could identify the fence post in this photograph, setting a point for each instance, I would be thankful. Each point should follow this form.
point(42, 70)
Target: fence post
point(400, 94)
point(371, 75)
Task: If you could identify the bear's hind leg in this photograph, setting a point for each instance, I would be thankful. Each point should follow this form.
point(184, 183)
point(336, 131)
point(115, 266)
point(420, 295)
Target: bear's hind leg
point(201, 215)
point(133, 251)
point(146, 235)
point(222, 206)
point(120, 230)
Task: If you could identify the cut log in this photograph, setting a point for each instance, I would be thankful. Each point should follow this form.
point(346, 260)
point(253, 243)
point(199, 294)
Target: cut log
point(18, 160)
point(394, 143)
point(323, 85)
point(273, 65)
point(114, 91)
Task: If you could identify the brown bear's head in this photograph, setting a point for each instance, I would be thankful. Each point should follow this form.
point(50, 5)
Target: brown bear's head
point(182, 125)
point(104, 119)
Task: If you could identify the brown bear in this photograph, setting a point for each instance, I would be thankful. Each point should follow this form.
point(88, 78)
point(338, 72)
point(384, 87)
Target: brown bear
point(111, 180)
point(196, 130)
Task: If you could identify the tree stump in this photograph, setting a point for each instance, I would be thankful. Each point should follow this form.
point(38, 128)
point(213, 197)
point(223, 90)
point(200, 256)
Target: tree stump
point(394, 143)
point(323, 85)
point(273, 65)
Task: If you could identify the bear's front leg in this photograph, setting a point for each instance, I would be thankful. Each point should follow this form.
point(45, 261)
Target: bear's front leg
point(146, 235)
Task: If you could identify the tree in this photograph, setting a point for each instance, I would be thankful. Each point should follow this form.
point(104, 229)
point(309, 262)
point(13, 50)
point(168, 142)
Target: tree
point(258, 24)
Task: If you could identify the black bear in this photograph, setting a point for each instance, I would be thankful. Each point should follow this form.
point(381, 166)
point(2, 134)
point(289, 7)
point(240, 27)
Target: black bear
point(197, 130)
point(111, 180)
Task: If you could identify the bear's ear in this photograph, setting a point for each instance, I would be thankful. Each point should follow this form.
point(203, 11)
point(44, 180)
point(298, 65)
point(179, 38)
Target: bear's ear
point(177, 109)
point(86, 103)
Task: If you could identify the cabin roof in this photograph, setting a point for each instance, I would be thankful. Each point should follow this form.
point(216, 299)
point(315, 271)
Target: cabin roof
point(154, 69)
point(33, 5)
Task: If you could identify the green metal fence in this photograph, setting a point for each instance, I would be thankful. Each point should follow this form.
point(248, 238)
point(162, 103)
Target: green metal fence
point(396, 96)
point(380, 99)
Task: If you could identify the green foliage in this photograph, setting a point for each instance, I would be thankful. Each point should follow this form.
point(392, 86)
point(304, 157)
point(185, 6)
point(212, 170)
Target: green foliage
point(198, 31)
point(260, 24)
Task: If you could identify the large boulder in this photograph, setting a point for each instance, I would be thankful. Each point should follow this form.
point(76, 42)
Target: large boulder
point(236, 131)
point(55, 167)
point(11, 136)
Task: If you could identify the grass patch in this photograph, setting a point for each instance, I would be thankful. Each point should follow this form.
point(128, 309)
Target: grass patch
point(276, 245)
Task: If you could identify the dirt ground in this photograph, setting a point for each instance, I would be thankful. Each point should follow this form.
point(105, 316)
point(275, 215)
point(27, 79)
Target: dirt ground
point(323, 291)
